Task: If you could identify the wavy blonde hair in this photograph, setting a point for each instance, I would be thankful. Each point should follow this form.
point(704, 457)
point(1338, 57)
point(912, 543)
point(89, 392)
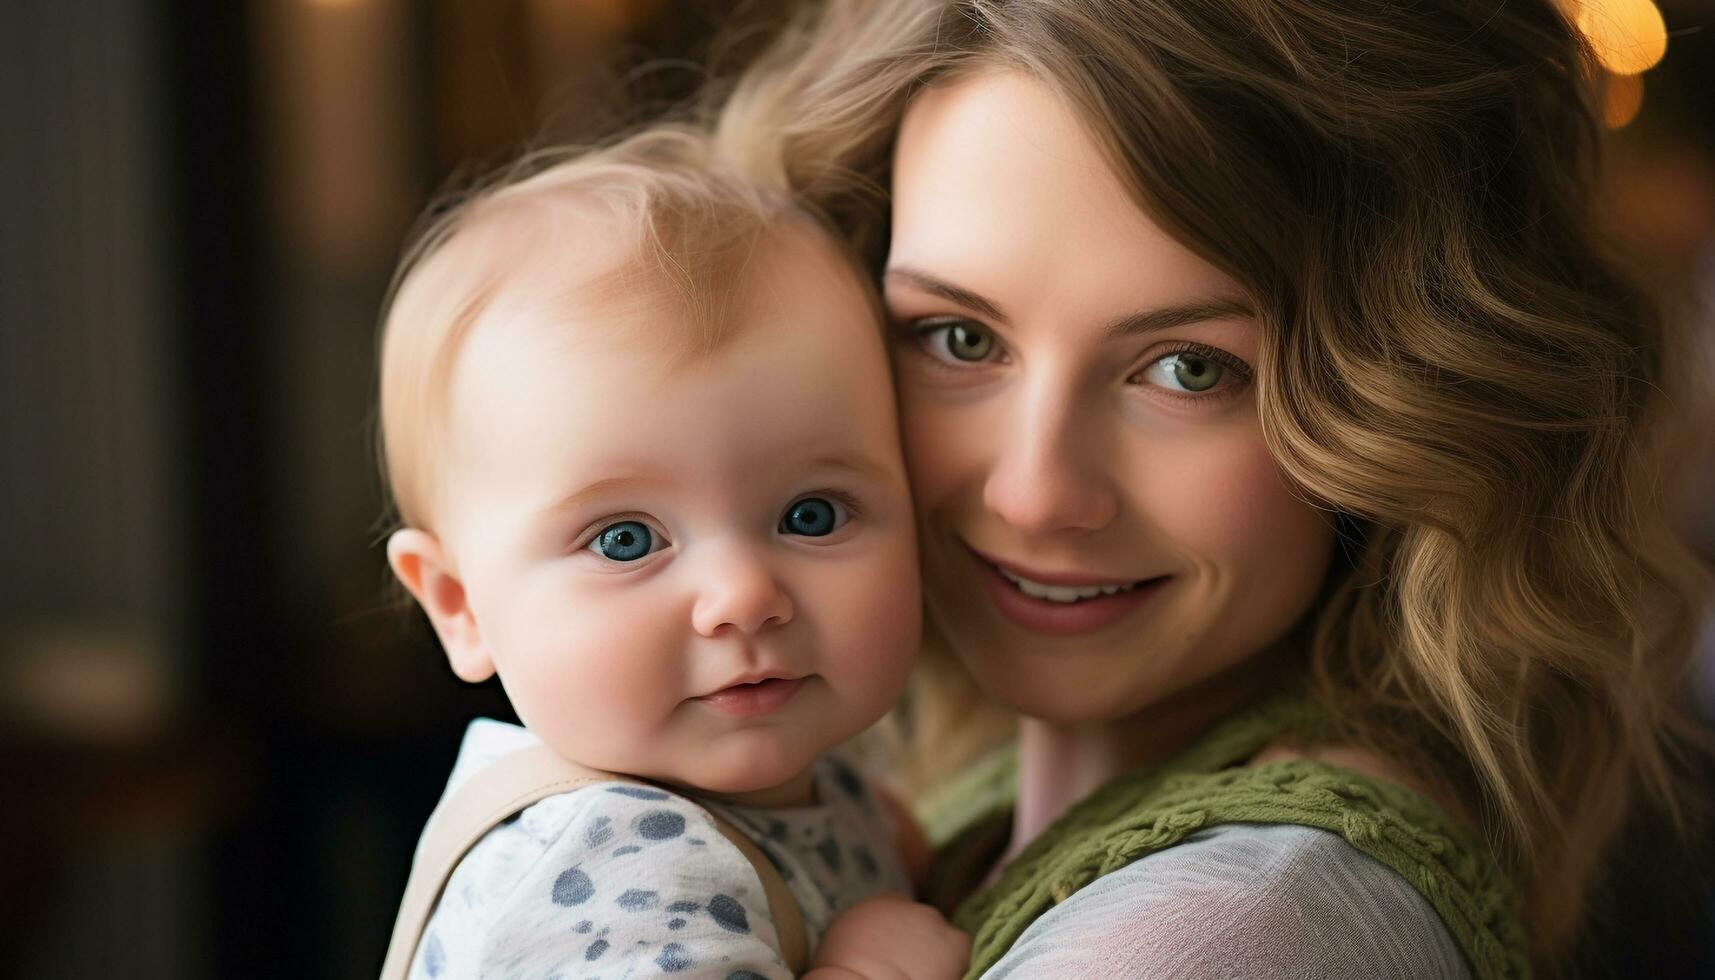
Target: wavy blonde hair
point(1450, 359)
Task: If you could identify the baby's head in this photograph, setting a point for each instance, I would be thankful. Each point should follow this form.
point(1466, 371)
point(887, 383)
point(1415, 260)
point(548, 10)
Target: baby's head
point(638, 422)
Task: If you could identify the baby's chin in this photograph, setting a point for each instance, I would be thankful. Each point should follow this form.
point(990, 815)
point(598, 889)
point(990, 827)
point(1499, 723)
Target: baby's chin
point(749, 769)
point(762, 766)
point(754, 771)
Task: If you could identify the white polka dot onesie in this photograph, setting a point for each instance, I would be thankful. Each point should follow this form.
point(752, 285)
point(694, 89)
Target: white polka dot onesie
point(618, 881)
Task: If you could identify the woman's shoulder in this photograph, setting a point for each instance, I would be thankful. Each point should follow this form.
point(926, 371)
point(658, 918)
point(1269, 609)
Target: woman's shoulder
point(1364, 809)
point(1242, 900)
point(1373, 765)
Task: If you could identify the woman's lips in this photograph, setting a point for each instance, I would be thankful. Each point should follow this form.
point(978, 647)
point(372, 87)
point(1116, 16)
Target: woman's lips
point(1062, 618)
point(749, 700)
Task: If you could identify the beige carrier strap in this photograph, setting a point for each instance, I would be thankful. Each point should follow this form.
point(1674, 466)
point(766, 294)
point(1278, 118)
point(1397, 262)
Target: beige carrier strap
point(510, 784)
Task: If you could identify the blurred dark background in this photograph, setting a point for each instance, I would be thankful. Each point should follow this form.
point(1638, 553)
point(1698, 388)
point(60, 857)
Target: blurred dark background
point(219, 738)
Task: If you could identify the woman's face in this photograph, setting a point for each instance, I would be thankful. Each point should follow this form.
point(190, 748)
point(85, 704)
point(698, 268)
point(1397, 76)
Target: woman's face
point(1103, 527)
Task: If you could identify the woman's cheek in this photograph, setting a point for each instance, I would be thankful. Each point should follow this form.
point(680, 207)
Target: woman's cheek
point(1225, 502)
point(1269, 547)
point(943, 435)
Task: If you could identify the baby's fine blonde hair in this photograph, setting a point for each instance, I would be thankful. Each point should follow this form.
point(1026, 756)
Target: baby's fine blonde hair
point(684, 222)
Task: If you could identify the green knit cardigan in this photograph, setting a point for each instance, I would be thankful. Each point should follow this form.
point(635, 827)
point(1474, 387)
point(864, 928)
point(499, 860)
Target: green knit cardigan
point(1141, 812)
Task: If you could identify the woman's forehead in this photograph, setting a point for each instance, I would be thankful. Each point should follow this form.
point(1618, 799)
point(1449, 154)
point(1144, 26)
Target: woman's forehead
point(1000, 190)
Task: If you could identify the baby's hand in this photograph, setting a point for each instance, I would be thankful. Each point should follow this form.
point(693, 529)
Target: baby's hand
point(890, 937)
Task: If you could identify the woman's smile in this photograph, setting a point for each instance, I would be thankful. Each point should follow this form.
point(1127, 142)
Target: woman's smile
point(1061, 603)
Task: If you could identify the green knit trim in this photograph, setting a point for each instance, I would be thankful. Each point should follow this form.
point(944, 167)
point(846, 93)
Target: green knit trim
point(1145, 811)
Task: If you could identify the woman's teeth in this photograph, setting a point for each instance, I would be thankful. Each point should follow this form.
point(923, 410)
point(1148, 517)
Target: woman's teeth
point(1063, 593)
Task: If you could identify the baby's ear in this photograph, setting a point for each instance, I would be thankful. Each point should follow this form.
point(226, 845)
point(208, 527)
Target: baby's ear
point(422, 566)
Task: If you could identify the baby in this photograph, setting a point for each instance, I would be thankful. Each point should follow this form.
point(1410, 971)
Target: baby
point(637, 419)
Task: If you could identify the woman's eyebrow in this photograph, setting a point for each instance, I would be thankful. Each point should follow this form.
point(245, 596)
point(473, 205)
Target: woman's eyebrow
point(1179, 315)
point(946, 290)
point(1143, 321)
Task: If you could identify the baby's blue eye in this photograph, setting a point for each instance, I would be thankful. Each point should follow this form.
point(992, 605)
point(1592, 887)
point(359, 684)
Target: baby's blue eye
point(812, 517)
point(625, 541)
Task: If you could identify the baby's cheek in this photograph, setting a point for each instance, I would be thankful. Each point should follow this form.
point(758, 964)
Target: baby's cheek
point(600, 679)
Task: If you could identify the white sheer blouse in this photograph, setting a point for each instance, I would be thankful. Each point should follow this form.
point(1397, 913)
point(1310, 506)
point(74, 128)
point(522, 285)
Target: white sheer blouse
point(1242, 901)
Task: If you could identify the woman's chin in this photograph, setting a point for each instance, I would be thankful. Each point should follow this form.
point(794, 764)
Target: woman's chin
point(1080, 690)
point(1042, 694)
point(1062, 709)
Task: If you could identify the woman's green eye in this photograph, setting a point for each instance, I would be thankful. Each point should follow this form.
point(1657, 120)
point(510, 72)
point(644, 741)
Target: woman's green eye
point(1185, 371)
point(969, 343)
point(964, 342)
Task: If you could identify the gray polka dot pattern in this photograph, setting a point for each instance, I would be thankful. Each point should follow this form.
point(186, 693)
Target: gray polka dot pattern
point(600, 832)
point(728, 914)
point(617, 880)
point(434, 958)
point(829, 849)
point(661, 825)
point(849, 782)
point(673, 958)
point(865, 861)
point(572, 887)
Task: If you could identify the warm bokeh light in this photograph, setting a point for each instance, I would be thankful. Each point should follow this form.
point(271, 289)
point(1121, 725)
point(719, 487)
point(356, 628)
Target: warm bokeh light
point(1622, 97)
point(1629, 36)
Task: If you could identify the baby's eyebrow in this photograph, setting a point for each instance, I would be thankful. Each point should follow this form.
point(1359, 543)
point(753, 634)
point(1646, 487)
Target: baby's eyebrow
point(606, 486)
point(860, 466)
point(653, 477)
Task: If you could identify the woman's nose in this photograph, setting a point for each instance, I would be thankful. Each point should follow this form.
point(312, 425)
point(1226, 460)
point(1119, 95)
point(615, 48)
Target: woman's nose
point(742, 594)
point(1048, 475)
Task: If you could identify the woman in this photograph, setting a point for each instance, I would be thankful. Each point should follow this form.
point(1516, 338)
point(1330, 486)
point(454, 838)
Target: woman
point(1287, 457)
